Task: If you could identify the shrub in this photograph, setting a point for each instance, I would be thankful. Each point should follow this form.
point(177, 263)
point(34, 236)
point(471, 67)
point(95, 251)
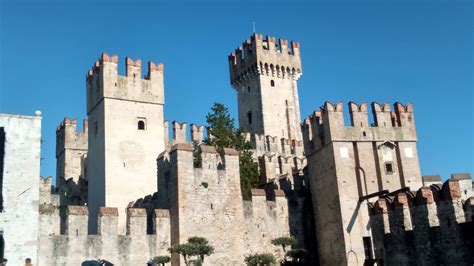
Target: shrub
point(260, 259)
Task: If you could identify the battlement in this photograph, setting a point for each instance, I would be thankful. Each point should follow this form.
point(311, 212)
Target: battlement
point(265, 56)
point(278, 158)
point(68, 137)
point(327, 124)
point(430, 206)
point(103, 81)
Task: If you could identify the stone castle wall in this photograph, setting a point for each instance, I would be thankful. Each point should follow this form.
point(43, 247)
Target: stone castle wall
point(20, 152)
point(75, 246)
point(432, 226)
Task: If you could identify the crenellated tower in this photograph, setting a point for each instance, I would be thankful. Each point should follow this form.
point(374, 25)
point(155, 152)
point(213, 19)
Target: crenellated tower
point(126, 133)
point(347, 165)
point(264, 74)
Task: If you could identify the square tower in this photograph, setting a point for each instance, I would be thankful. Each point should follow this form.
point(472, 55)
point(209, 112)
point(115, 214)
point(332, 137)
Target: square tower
point(126, 134)
point(348, 165)
point(265, 73)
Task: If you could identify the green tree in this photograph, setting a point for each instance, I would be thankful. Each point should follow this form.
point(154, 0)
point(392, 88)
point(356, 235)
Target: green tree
point(202, 247)
point(296, 255)
point(196, 246)
point(261, 259)
point(222, 132)
point(162, 260)
point(284, 241)
point(185, 250)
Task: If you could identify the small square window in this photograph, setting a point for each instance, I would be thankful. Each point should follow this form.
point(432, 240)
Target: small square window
point(389, 170)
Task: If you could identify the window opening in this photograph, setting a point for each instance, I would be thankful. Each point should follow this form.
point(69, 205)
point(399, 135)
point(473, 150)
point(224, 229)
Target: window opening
point(272, 83)
point(141, 125)
point(389, 168)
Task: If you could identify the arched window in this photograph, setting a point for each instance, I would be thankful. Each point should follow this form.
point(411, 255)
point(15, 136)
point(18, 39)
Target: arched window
point(249, 117)
point(141, 125)
point(272, 83)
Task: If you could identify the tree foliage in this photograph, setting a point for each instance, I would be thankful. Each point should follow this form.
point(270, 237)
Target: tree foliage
point(162, 260)
point(198, 247)
point(261, 259)
point(297, 254)
point(223, 134)
point(284, 241)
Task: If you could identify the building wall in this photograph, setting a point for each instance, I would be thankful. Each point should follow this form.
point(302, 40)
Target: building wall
point(20, 186)
point(122, 158)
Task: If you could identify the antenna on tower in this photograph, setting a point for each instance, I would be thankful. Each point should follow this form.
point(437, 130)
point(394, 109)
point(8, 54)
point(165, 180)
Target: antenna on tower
point(253, 23)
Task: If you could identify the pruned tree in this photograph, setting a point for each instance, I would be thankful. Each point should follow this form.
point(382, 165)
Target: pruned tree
point(260, 259)
point(296, 255)
point(198, 247)
point(284, 241)
point(162, 260)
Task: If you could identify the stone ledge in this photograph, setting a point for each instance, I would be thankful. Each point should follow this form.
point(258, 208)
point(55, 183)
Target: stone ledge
point(136, 212)
point(279, 193)
point(162, 213)
point(461, 176)
point(230, 151)
point(431, 178)
point(208, 149)
point(182, 147)
point(77, 210)
point(108, 211)
point(258, 192)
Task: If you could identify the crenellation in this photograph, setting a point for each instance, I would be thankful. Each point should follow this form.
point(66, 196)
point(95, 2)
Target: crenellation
point(179, 132)
point(197, 133)
point(77, 220)
point(136, 221)
point(108, 221)
point(133, 69)
point(103, 81)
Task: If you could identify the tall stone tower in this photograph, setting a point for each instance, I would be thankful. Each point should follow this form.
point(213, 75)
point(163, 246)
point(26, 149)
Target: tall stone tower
point(265, 73)
point(349, 165)
point(126, 134)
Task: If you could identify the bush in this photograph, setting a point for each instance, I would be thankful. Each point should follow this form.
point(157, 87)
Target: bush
point(162, 260)
point(297, 254)
point(260, 259)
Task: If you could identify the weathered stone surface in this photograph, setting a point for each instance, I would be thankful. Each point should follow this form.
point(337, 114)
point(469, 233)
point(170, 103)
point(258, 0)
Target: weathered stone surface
point(20, 141)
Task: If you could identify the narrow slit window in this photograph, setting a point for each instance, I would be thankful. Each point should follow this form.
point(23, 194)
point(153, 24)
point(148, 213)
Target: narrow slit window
point(249, 117)
point(272, 83)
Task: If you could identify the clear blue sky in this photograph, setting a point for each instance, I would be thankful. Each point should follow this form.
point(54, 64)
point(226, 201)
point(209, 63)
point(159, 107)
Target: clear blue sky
point(408, 51)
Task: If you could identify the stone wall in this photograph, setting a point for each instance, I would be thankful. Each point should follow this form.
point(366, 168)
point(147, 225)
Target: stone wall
point(207, 202)
point(433, 226)
point(20, 141)
point(75, 246)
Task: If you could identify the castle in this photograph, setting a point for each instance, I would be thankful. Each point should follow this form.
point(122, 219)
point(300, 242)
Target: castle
point(125, 190)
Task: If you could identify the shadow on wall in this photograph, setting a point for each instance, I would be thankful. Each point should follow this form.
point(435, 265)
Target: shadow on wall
point(2, 157)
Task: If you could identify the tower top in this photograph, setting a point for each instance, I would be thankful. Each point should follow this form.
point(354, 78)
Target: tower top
point(265, 56)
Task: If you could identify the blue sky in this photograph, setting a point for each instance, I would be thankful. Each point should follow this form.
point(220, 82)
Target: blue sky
point(409, 51)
